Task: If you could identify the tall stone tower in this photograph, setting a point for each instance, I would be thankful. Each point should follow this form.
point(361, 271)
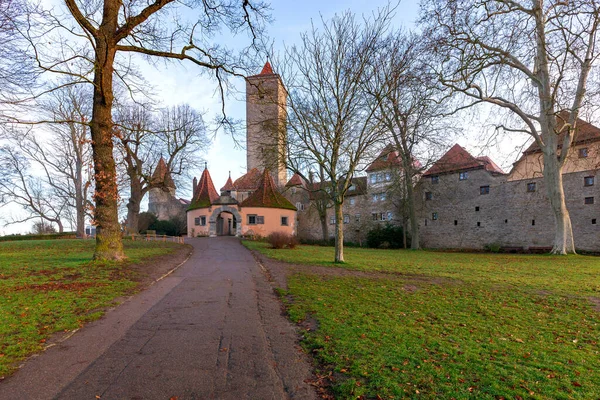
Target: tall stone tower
point(161, 199)
point(266, 100)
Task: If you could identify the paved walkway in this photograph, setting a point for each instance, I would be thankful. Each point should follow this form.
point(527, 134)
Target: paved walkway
point(211, 330)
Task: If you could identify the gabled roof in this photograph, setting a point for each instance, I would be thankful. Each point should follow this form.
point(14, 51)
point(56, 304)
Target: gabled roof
point(458, 159)
point(205, 194)
point(267, 70)
point(295, 180)
point(248, 181)
point(162, 175)
point(228, 185)
point(584, 132)
point(358, 186)
point(389, 158)
point(267, 195)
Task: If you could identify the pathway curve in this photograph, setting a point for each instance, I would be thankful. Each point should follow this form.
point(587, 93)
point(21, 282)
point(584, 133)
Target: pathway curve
point(211, 330)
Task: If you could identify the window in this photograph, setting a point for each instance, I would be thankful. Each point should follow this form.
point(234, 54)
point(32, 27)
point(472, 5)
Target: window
point(506, 221)
point(352, 187)
point(374, 216)
point(332, 220)
point(300, 206)
point(380, 177)
point(260, 220)
point(476, 208)
point(197, 221)
point(357, 217)
point(351, 201)
point(293, 189)
point(390, 216)
point(284, 221)
point(583, 152)
point(484, 189)
point(455, 222)
point(373, 178)
point(388, 177)
point(375, 197)
point(531, 187)
point(435, 179)
point(382, 196)
point(533, 222)
point(203, 221)
point(428, 195)
point(346, 218)
point(478, 223)
point(594, 221)
point(251, 219)
point(589, 200)
point(382, 216)
point(434, 216)
point(588, 181)
point(463, 176)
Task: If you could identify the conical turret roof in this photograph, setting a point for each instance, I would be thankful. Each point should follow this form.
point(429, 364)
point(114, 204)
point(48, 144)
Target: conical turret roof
point(162, 175)
point(228, 185)
point(205, 194)
point(267, 195)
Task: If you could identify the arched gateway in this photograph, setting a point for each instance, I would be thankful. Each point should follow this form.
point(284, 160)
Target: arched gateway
point(214, 229)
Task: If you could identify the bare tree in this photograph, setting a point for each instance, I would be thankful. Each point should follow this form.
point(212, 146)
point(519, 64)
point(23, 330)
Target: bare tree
point(531, 58)
point(332, 122)
point(96, 45)
point(411, 108)
point(31, 193)
point(177, 133)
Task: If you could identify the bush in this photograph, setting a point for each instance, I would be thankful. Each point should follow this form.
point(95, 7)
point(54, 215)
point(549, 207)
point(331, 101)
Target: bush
point(493, 247)
point(386, 237)
point(279, 240)
point(168, 228)
point(64, 235)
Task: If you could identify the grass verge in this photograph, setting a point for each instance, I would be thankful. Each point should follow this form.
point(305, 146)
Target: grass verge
point(49, 286)
point(450, 325)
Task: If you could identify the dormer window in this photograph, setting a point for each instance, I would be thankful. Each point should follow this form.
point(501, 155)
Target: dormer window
point(531, 187)
point(583, 152)
point(462, 176)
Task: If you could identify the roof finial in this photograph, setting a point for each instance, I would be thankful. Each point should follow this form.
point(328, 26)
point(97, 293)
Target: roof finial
point(205, 165)
point(230, 174)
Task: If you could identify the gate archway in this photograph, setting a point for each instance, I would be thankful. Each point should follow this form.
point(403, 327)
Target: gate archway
point(212, 229)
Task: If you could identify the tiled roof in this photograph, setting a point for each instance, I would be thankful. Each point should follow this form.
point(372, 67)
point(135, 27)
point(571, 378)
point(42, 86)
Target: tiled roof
point(584, 132)
point(228, 185)
point(267, 70)
point(248, 181)
point(295, 180)
point(162, 175)
point(389, 158)
point(205, 194)
point(358, 185)
point(267, 195)
point(458, 159)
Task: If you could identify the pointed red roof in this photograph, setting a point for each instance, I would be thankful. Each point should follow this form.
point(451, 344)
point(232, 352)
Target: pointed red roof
point(248, 181)
point(205, 194)
point(228, 185)
point(584, 132)
point(295, 180)
point(267, 70)
point(458, 159)
point(162, 175)
point(267, 195)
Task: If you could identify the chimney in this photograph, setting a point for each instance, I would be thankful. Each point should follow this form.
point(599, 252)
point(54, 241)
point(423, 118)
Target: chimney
point(194, 186)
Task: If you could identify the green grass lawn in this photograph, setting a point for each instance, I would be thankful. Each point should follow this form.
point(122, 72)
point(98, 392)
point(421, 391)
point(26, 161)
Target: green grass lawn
point(47, 286)
point(451, 325)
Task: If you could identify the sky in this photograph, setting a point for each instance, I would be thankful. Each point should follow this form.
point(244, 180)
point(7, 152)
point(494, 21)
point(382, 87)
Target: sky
point(176, 83)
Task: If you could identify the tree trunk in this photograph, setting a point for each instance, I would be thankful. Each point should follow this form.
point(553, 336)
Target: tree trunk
point(563, 236)
point(339, 233)
point(412, 212)
point(324, 227)
point(109, 245)
point(133, 205)
point(79, 198)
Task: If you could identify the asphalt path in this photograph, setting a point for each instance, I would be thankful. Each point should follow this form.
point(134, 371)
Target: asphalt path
point(213, 329)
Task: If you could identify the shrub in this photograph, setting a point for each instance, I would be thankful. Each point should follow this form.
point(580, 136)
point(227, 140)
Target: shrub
point(493, 247)
point(386, 237)
point(279, 240)
point(164, 228)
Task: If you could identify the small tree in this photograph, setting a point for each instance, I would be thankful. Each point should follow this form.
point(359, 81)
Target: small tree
point(332, 122)
point(532, 59)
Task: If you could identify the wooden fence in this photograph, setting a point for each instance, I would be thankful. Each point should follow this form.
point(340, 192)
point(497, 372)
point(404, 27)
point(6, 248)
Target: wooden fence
point(152, 236)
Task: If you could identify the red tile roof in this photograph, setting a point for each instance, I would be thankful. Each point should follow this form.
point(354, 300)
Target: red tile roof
point(267, 70)
point(584, 132)
point(267, 195)
point(295, 180)
point(162, 175)
point(228, 185)
point(458, 159)
point(389, 158)
point(205, 194)
point(248, 181)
